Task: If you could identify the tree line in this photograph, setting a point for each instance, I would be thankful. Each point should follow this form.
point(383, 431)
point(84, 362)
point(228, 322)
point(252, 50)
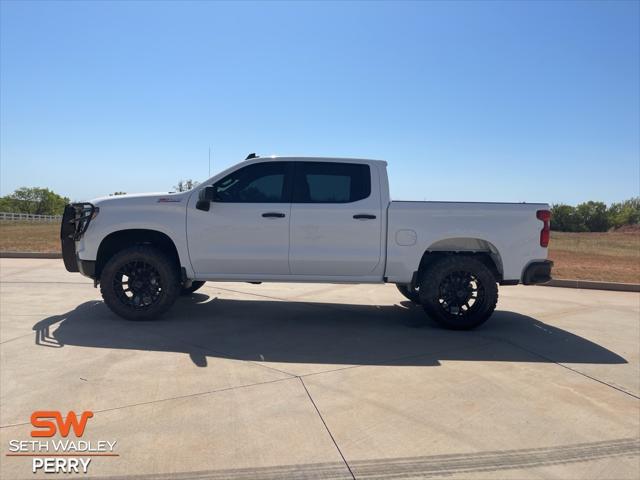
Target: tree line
point(595, 216)
point(42, 201)
point(33, 200)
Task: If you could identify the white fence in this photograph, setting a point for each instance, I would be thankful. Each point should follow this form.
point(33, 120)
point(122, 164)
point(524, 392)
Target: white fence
point(28, 217)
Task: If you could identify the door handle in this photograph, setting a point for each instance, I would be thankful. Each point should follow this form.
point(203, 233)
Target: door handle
point(273, 215)
point(364, 216)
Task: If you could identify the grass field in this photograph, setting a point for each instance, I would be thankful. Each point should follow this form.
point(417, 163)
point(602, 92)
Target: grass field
point(611, 256)
point(29, 237)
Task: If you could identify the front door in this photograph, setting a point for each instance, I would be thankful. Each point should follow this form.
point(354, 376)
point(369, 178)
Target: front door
point(336, 220)
point(246, 230)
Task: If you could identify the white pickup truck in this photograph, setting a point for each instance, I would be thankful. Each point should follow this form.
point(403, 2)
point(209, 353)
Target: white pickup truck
point(291, 219)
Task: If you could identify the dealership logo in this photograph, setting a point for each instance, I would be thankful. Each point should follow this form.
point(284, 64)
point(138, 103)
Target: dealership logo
point(68, 454)
point(48, 428)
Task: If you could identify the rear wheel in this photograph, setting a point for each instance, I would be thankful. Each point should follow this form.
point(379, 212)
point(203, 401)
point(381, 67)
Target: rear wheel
point(410, 292)
point(458, 292)
point(189, 290)
point(139, 283)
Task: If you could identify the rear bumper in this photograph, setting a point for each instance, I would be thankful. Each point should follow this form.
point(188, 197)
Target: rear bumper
point(537, 272)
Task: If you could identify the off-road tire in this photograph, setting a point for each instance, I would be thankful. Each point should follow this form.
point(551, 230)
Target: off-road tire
point(410, 293)
point(450, 280)
point(163, 282)
point(189, 290)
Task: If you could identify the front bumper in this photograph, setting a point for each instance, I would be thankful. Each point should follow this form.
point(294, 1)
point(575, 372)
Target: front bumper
point(87, 268)
point(75, 221)
point(537, 272)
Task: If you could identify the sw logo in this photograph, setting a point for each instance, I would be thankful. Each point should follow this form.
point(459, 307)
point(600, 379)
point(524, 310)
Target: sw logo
point(41, 420)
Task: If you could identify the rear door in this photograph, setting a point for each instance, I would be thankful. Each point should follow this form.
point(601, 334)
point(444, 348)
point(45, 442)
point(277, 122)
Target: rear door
point(336, 219)
point(246, 230)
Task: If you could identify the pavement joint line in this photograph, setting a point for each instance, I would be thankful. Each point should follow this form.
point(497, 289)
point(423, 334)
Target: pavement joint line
point(16, 338)
point(327, 428)
point(294, 300)
point(251, 293)
point(23, 270)
point(604, 301)
point(391, 361)
point(567, 367)
point(45, 282)
point(168, 399)
point(577, 311)
point(220, 352)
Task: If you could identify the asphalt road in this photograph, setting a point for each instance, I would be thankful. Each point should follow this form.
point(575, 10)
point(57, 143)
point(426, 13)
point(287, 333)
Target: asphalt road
point(286, 381)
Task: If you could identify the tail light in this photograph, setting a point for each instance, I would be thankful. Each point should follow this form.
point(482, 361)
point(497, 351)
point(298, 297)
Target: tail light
point(545, 216)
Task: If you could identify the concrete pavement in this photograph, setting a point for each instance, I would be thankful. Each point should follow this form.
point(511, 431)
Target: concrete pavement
point(324, 381)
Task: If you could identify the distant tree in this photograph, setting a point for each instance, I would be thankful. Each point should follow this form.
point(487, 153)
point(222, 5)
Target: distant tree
point(7, 205)
point(594, 216)
point(117, 193)
point(624, 213)
point(185, 185)
point(565, 218)
point(34, 200)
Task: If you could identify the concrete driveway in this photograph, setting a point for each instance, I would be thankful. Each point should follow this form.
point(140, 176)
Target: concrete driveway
point(324, 381)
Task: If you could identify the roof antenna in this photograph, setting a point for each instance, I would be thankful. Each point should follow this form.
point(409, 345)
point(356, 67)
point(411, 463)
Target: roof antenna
point(251, 155)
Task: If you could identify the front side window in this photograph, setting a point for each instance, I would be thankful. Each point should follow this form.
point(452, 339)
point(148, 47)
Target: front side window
point(331, 182)
point(257, 183)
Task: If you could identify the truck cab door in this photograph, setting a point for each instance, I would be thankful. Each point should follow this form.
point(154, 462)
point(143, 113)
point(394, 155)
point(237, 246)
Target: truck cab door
point(246, 229)
point(336, 220)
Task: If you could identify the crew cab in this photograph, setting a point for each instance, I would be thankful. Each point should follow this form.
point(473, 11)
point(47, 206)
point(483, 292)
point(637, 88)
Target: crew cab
point(292, 219)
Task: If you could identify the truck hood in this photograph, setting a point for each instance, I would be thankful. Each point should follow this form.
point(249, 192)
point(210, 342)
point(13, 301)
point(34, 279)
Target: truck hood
point(141, 199)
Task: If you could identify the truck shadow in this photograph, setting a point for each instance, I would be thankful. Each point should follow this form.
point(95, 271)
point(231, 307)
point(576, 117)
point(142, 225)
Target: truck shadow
point(318, 333)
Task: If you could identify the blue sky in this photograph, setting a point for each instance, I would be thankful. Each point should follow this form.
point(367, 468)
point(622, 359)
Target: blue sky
point(494, 101)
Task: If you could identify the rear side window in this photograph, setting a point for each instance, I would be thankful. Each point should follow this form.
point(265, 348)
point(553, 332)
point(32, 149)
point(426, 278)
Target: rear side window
point(257, 183)
point(329, 182)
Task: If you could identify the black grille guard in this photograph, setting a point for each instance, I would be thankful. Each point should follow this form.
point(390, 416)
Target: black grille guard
point(75, 221)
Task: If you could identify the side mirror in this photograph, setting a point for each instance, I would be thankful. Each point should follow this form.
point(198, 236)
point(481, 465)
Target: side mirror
point(205, 198)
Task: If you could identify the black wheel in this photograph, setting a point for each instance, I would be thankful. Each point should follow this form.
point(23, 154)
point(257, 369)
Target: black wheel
point(139, 283)
point(458, 292)
point(410, 293)
point(189, 290)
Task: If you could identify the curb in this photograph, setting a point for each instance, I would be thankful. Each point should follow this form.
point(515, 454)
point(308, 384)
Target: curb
point(30, 255)
point(593, 285)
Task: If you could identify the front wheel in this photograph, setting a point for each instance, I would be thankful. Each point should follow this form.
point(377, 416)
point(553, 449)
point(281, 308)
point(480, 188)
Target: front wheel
point(458, 292)
point(139, 283)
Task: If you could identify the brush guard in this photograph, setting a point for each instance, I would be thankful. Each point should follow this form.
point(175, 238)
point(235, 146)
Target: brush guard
point(75, 221)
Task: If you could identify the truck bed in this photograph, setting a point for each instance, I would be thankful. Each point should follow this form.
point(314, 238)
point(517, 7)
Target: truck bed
point(509, 231)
